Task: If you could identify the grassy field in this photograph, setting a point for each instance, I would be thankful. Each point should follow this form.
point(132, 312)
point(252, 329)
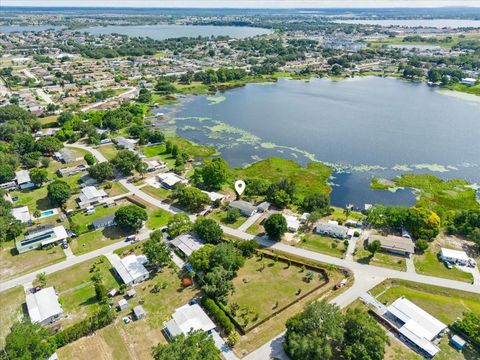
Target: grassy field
point(11, 310)
point(159, 193)
point(221, 216)
point(341, 215)
point(97, 239)
point(154, 150)
point(192, 149)
point(109, 151)
point(158, 218)
point(474, 90)
point(445, 304)
point(34, 199)
point(364, 256)
point(83, 220)
point(116, 189)
point(47, 121)
point(75, 287)
point(428, 264)
point(256, 228)
point(308, 180)
point(13, 264)
point(323, 244)
point(262, 286)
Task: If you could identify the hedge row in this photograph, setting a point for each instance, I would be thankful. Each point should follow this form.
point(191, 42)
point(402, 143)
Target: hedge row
point(102, 318)
point(212, 308)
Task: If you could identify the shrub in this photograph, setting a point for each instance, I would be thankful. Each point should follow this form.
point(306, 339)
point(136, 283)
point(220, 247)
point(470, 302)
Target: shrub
point(223, 320)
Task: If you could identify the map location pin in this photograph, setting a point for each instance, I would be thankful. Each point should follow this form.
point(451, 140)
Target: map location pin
point(239, 187)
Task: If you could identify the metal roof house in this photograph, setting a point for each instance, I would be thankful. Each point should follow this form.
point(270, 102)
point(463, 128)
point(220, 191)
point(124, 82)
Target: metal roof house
point(186, 318)
point(130, 269)
point(417, 326)
point(72, 170)
point(245, 207)
point(187, 243)
point(22, 214)
point(293, 224)
point(454, 256)
point(65, 155)
point(331, 229)
point(41, 236)
point(103, 222)
point(128, 144)
point(43, 306)
point(22, 177)
point(394, 244)
point(169, 180)
point(90, 196)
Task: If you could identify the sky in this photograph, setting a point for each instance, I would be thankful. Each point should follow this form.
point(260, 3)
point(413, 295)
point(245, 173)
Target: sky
point(244, 3)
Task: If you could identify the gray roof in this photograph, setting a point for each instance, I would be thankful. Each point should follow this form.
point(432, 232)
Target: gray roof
point(107, 219)
point(243, 206)
point(68, 155)
point(187, 243)
point(138, 311)
point(333, 229)
point(395, 243)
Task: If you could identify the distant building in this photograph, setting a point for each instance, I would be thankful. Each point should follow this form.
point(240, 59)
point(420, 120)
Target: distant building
point(245, 207)
point(169, 180)
point(263, 207)
point(468, 81)
point(154, 165)
point(188, 318)
point(128, 144)
point(43, 306)
point(23, 179)
point(187, 243)
point(41, 236)
point(65, 155)
point(130, 269)
point(214, 196)
point(73, 170)
point(331, 229)
point(394, 244)
point(22, 214)
point(417, 326)
point(103, 222)
point(91, 196)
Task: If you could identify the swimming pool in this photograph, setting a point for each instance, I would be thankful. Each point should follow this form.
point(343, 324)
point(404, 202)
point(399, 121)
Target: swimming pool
point(48, 213)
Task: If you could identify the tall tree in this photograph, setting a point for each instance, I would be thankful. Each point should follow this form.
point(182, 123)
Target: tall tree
point(28, 341)
point(214, 173)
point(131, 217)
point(208, 230)
point(59, 192)
point(198, 345)
point(275, 226)
point(157, 252)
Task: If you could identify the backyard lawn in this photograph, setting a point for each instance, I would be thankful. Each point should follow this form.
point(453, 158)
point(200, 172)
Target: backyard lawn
point(154, 150)
point(11, 310)
point(265, 285)
point(364, 256)
point(97, 239)
point(221, 216)
point(83, 220)
point(158, 193)
point(323, 244)
point(13, 264)
point(34, 199)
point(428, 264)
point(158, 218)
point(109, 151)
point(76, 290)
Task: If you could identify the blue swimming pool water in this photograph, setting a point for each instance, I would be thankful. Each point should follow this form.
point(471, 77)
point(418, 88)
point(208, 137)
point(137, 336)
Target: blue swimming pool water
point(46, 213)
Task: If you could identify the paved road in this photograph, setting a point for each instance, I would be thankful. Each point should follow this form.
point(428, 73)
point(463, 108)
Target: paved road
point(97, 154)
point(113, 98)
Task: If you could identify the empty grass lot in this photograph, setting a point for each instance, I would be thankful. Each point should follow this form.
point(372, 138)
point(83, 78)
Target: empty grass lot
point(75, 287)
point(12, 301)
point(323, 244)
point(158, 218)
point(97, 239)
point(263, 286)
point(108, 150)
point(13, 264)
point(158, 193)
point(428, 264)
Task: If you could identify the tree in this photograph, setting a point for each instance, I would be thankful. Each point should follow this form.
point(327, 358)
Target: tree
point(247, 247)
point(131, 217)
point(470, 326)
point(217, 284)
point(101, 292)
point(126, 161)
point(7, 173)
point(47, 145)
point(336, 69)
point(275, 226)
point(41, 279)
point(59, 192)
point(232, 215)
point(282, 193)
point(374, 246)
point(190, 198)
point(198, 345)
point(228, 257)
point(165, 87)
point(363, 338)
point(89, 158)
point(421, 245)
point(144, 95)
point(208, 230)
point(316, 202)
point(214, 173)
point(28, 341)
point(200, 259)
point(314, 333)
point(38, 176)
point(179, 224)
point(157, 251)
point(102, 171)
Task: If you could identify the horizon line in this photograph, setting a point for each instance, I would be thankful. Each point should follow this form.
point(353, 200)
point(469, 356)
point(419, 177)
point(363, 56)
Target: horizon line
point(240, 7)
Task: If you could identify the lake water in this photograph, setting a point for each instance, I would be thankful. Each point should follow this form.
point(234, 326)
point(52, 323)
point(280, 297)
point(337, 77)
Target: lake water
point(361, 127)
point(431, 23)
point(160, 32)
point(15, 28)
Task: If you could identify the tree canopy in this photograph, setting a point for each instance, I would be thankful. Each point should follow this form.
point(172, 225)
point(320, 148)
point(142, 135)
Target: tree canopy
point(208, 230)
point(156, 250)
point(59, 192)
point(131, 217)
point(275, 226)
point(28, 341)
point(198, 345)
point(179, 224)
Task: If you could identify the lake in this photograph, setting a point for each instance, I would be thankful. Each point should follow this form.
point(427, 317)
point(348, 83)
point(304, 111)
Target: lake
point(431, 23)
point(15, 28)
point(362, 127)
point(160, 32)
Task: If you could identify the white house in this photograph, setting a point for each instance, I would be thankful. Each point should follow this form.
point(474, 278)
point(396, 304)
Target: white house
point(187, 318)
point(454, 256)
point(417, 326)
point(90, 196)
point(293, 224)
point(331, 229)
point(43, 306)
point(130, 269)
point(23, 179)
point(169, 180)
point(154, 165)
point(468, 81)
point(187, 243)
point(41, 236)
point(22, 214)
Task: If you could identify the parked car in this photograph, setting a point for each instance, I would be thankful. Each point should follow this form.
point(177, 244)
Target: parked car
point(448, 264)
point(131, 238)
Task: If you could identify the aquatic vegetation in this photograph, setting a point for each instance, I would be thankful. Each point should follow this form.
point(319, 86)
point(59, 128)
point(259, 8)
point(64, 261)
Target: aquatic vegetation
point(215, 100)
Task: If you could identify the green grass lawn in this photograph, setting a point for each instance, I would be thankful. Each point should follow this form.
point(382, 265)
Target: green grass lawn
point(115, 189)
point(474, 90)
point(11, 310)
point(48, 121)
point(76, 290)
point(256, 228)
point(380, 259)
point(428, 264)
point(261, 286)
point(221, 216)
point(308, 180)
point(159, 193)
point(158, 218)
point(193, 149)
point(34, 199)
point(108, 150)
point(442, 303)
point(97, 239)
point(323, 244)
point(154, 150)
point(83, 220)
point(13, 264)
